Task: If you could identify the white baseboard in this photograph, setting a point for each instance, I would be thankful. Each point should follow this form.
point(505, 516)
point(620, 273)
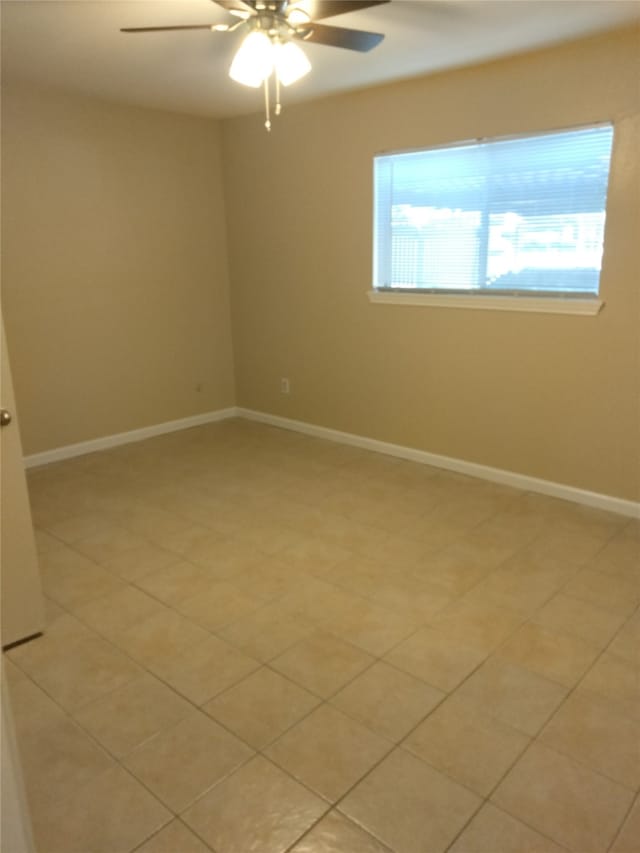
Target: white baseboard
point(461, 466)
point(103, 443)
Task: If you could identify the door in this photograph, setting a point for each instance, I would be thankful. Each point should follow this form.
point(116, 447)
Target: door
point(22, 605)
point(15, 824)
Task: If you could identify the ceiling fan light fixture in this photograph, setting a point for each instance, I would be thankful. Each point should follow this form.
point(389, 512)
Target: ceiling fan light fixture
point(267, 48)
point(290, 62)
point(297, 16)
point(253, 62)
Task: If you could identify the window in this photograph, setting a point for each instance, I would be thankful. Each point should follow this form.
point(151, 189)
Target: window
point(518, 217)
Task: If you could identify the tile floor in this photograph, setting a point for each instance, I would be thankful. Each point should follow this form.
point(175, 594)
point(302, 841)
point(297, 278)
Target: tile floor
point(261, 642)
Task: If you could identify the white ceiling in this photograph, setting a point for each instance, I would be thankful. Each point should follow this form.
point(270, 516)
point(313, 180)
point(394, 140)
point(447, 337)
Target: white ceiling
point(76, 45)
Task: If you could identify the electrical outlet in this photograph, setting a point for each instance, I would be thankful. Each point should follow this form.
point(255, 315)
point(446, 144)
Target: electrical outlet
point(285, 387)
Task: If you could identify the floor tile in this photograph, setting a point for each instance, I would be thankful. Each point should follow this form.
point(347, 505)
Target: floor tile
point(261, 707)
point(433, 657)
point(576, 546)
point(558, 657)
point(438, 531)
point(187, 538)
point(615, 678)
point(580, 619)
point(270, 538)
point(627, 641)
point(373, 629)
point(396, 549)
point(410, 806)
point(223, 558)
point(419, 600)
point(85, 672)
point(467, 744)
point(478, 625)
point(176, 582)
point(513, 695)
point(563, 800)
point(154, 524)
point(36, 656)
point(160, 636)
point(484, 549)
point(259, 809)
point(268, 632)
point(222, 604)
point(513, 587)
point(112, 614)
point(71, 580)
point(52, 612)
point(350, 534)
point(182, 762)
point(336, 834)
point(328, 752)
point(493, 831)
point(139, 562)
point(322, 663)
point(57, 761)
point(82, 822)
point(547, 570)
point(203, 670)
point(175, 837)
point(593, 731)
point(619, 558)
point(12, 672)
point(31, 708)
point(129, 716)
point(311, 553)
point(79, 526)
point(359, 575)
point(387, 701)
point(269, 580)
point(45, 541)
point(628, 840)
point(205, 554)
point(108, 542)
point(507, 528)
point(453, 569)
point(318, 601)
point(621, 597)
point(599, 523)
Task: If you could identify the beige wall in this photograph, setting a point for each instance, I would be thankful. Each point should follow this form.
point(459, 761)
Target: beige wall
point(115, 287)
point(115, 284)
point(550, 396)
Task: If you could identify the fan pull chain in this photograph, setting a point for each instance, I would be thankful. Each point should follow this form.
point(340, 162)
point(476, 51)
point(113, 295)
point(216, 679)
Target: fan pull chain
point(267, 123)
point(278, 104)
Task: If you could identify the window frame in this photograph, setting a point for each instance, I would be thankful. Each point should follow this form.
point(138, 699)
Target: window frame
point(538, 301)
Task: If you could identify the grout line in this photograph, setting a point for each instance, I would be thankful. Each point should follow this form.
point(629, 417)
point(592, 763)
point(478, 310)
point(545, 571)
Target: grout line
point(489, 802)
point(634, 802)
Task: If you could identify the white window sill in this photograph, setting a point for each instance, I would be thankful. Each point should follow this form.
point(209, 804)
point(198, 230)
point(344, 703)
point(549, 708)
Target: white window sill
point(487, 302)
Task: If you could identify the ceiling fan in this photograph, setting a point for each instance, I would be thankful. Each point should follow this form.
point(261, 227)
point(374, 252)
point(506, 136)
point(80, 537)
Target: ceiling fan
point(272, 27)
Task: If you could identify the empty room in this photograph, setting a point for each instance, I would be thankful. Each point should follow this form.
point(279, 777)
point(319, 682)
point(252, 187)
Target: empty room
point(320, 426)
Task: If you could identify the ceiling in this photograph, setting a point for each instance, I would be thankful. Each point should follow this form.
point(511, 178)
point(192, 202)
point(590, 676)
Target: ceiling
point(76, 45)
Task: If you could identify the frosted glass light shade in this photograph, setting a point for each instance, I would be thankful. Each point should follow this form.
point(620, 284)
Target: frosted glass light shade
point(290, 62)
point(253, 62)
point(297, 16)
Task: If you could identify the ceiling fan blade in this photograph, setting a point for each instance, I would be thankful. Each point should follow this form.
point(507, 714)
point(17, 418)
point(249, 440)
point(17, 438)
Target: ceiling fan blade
point(318, 9)
point(165, 29)
point(341, 37)
point(237, 5)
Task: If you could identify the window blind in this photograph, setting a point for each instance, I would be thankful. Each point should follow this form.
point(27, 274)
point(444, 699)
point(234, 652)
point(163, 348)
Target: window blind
point(523, 214)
